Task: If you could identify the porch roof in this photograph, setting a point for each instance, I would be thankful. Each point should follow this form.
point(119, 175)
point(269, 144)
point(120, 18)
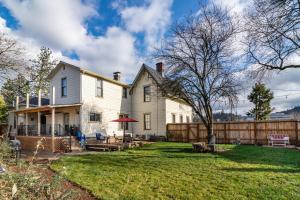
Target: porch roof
point(45, 108)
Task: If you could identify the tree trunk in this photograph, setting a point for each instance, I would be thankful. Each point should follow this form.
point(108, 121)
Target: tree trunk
point(211, 137)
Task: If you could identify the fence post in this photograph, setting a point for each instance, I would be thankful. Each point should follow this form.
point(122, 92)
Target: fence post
point(225, 134)
point(167, 133)
point(198, 137)
point(188, 132)
point(255, 132)
point(297, 132)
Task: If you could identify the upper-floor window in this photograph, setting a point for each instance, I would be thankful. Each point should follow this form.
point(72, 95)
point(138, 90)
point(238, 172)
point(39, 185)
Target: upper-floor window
point(173, 118)
point(124, 94)
point(147, 121)
point(181, 119)
point(147, 91)
point(187, 119)
point(95, 117)
point(64, 87)
point(99, 88)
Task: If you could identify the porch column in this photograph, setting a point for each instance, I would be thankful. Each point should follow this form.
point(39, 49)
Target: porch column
point(53, 129)
point(53, 120)
point(17, 102)
point(39, 113)
point(39, 124)
point(26, 114)
point(26, 124)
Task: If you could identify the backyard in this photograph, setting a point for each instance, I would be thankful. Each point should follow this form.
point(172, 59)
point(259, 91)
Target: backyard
point(173, 171)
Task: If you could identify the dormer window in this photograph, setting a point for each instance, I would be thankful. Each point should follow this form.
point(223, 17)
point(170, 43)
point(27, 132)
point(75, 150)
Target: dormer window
point(64, 87)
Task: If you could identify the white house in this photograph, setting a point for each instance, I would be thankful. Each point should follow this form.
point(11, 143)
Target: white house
point(81, 99)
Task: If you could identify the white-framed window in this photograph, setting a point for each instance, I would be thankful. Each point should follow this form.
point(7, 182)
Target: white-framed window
point(124, 92)
point(64, 87)
point(147, 121)
point(95, 117)
point(147, 93)
point(99, 88)
point(173, 118)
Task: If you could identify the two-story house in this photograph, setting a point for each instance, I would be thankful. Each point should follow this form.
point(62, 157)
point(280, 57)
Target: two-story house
point(81, 99)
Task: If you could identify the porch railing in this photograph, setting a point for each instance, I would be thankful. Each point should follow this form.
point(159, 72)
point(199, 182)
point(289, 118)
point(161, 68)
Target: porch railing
point(46, 130)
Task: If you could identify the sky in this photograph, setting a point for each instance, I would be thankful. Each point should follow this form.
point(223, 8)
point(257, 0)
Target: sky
point(117, 35)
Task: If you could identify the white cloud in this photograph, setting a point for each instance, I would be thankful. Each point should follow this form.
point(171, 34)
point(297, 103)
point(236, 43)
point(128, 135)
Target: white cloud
point(61, 25)
point(151, 19)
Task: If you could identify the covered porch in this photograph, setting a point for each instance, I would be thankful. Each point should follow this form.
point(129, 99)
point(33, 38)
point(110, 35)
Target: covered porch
point(54, 124)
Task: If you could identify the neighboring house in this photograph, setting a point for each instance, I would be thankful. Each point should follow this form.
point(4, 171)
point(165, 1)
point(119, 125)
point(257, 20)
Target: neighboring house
point(84, 100)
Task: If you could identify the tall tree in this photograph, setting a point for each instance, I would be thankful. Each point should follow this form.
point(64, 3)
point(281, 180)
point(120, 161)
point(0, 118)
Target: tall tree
point(40, 69)
point(261, 96)
point(11, 56)
point(199, 61)
point(3, 110)
point(273, 36)
point(15, 87)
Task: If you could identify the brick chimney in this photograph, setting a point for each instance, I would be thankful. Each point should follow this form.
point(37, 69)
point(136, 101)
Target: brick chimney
point(160, 68)
point(117, 76)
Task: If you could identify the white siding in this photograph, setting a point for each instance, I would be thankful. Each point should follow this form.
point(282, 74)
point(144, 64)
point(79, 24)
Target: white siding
point(174, 107)
point(156, 107)
point(110, 105)
point(73, 86)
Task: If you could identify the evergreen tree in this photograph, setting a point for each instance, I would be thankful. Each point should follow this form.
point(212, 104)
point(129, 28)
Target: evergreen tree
point(261, 96)
point(3, 110)
point(15, 87)
point(40, 69)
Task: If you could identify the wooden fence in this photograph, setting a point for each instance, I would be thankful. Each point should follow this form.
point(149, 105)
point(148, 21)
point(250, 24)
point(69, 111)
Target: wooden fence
point(247, 132)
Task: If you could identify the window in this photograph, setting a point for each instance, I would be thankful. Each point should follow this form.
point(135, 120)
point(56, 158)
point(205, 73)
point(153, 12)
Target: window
point(64, 87)
point(121, 124)
point(187, 119)
point(181, 119)
point(147, 91)
point(173, 118)
point(99, 88)
point(124, 95)
point(95, 117)
point(147, 121)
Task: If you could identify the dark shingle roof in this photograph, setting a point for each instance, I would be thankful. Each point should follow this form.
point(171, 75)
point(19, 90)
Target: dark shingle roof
point(158, 78)
point(155, 75)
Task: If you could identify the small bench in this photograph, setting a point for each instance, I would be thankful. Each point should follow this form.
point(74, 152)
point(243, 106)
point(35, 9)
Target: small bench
point(278, 139)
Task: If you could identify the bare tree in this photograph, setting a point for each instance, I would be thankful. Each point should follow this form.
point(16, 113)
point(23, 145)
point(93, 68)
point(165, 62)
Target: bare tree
point(11, 56)
point(273, 36)
point(199, 60)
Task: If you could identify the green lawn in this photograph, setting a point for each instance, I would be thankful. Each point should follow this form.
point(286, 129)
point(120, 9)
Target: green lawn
point(173, 171)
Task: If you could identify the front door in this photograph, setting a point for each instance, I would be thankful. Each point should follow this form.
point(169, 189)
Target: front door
point(66, 123)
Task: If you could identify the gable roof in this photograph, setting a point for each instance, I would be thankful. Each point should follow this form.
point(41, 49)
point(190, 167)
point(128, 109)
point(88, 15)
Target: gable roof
point(157, 77)
point(84, 71)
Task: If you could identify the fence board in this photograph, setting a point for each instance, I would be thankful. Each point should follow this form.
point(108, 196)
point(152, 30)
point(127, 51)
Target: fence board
point(247, 132)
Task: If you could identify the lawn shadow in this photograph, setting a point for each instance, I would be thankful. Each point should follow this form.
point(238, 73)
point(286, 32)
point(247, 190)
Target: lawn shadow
point(263, 155)
point(274, 170)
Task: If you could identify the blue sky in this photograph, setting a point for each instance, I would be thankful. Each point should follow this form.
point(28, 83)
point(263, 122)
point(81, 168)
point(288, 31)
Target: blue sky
point(115, 35)
point(105, 14)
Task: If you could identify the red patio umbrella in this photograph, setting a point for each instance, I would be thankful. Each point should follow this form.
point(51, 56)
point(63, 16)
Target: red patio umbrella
point(124, 119)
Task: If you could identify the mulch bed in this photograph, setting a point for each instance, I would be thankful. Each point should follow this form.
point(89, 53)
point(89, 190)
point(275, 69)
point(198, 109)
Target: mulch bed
point(48, 175)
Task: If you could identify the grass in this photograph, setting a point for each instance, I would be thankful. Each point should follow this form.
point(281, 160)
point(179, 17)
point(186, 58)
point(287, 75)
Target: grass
point(173, 171)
